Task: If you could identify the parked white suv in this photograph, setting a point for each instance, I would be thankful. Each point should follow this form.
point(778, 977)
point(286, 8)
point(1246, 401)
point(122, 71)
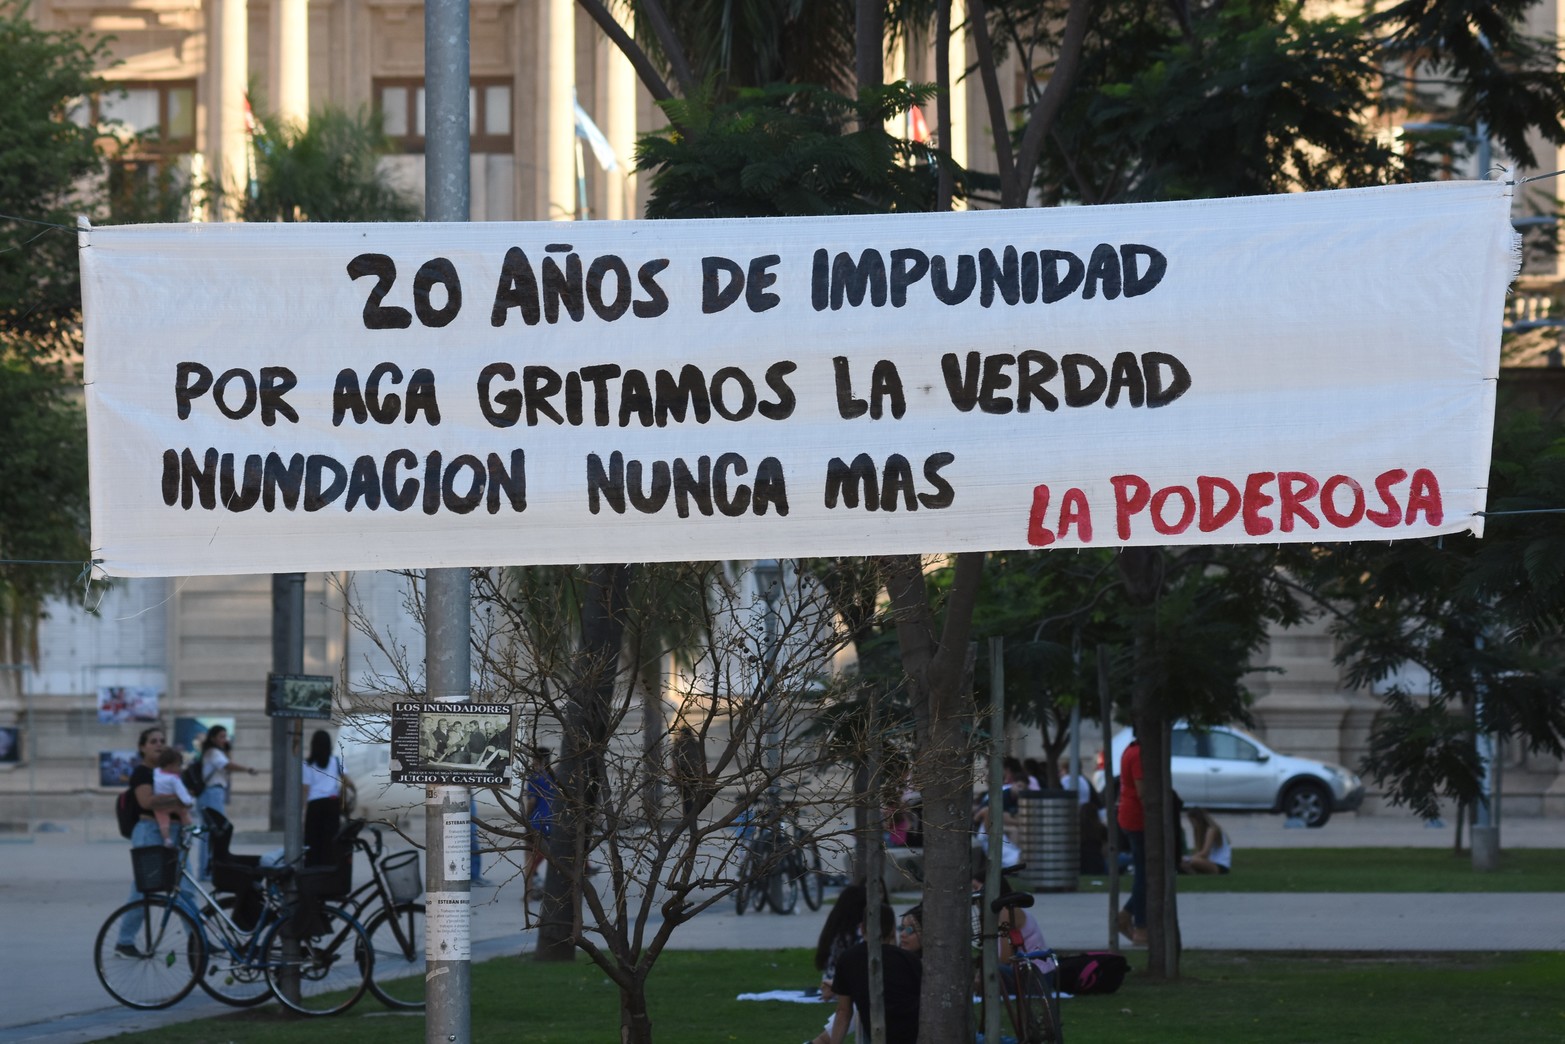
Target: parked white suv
point(1226, 768)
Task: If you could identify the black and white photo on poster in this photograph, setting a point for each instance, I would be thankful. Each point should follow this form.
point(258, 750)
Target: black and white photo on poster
point(441, 743)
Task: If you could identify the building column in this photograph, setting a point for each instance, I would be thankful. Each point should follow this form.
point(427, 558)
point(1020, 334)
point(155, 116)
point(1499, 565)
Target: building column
point(291, 64)
point(556, 109)
point(620, 128)
point(232, 168)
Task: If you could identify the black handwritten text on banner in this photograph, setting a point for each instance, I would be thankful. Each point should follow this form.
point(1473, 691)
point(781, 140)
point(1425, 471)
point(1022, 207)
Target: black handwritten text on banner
point(300, 397)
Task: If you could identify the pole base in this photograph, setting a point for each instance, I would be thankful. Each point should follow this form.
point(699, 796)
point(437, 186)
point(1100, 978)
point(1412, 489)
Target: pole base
point(1486, 848)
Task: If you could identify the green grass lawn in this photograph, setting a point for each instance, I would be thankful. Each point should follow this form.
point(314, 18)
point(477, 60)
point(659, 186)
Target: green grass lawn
point(1228, 997)
point(1375, 870)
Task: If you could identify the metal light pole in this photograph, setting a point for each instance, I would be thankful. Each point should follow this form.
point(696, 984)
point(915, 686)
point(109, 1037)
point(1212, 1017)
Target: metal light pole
point(768, 578)
point(448, 603)
point(287, 740)
point(996, 857)
point(1486, 820)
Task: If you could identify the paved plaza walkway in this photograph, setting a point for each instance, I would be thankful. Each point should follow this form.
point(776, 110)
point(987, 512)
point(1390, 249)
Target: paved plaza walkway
point(56, 890)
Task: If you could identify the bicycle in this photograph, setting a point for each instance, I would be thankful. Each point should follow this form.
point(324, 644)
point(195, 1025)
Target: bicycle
point(781, 861)
point(1030, 997)
point(761, 880)
point(396, 926)
point(297, 949)
point(385, 906)
point(802, 858)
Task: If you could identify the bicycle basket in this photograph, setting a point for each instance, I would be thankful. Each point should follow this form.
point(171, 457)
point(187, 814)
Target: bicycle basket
point(402, 876)
point(156, 868)
point(329, 882)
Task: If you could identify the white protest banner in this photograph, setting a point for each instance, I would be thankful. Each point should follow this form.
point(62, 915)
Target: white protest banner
point(309, 397)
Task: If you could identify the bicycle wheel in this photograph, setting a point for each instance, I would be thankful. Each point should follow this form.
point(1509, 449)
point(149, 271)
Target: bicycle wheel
point(742, 890)
point(333, 965)
point(1036, 1015)
point(782, 886)
point(161, 963)
point(812, 882)
point(236, 978)
point(397, 939)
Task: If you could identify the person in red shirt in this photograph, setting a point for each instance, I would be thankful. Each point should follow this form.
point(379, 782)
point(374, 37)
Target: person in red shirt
point(1132, 820)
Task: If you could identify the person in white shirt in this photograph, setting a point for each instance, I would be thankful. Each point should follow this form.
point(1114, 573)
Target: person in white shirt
point(1214, 853)
point(324, 786)
point(217, 769)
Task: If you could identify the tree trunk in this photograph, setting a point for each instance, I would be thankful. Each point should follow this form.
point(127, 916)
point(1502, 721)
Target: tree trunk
point(939, 679)
point(945, 183)
point(869, 43)
point(635, 1022)
point(943, 773)
point(865, 818)
point(1141, 569)
point(579, 769)
point(653, 730)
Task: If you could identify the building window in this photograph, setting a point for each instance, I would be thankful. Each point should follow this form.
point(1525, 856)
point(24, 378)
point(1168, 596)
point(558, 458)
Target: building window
point(400, 102)
point(159, 114)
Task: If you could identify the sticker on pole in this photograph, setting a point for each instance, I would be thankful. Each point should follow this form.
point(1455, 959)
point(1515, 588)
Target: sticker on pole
point(460, 744)
point(447, 926)
point(456, 833)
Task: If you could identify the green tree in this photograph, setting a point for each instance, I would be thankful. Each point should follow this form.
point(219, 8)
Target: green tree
point(325, 170)
point(1179, 101)
point(45, 156)
point(787, 150)
point(1480, 620)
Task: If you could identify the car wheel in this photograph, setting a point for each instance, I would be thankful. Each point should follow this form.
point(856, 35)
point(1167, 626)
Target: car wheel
point(1310, 802)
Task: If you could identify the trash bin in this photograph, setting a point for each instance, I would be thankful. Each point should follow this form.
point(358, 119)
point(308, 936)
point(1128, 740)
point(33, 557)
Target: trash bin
point(1049, 843)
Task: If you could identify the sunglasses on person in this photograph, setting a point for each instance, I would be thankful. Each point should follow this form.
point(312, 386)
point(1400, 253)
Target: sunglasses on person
point(907, 929)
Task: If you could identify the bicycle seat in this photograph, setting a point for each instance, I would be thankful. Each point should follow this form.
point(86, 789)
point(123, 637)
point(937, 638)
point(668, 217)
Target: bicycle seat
point(1019, 899)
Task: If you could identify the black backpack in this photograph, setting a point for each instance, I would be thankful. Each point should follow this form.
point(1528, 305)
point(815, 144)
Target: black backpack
point(127, 812)
point(194, 777)
point(1099, 971)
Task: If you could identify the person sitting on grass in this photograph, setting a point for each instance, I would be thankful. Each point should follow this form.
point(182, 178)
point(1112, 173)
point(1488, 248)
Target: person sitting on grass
point(1214, 853)
point(910, 934)
point(902, 975)
point(839, 934)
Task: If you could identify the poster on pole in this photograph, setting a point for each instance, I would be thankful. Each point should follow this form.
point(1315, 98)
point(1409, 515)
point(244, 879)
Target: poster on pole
point(1304, 367)
point(299, 695)
point(437, 743)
